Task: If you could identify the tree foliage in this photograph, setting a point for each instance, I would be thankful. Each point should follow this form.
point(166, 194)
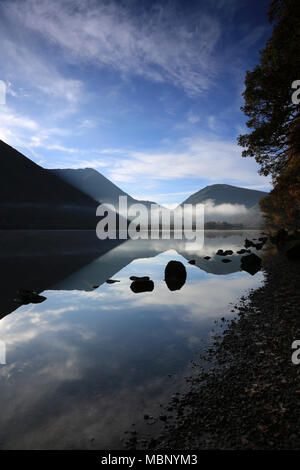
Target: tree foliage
point(281, 206)
point(273, 118)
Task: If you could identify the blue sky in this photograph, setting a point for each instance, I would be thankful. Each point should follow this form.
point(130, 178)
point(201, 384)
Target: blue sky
point(148, 93)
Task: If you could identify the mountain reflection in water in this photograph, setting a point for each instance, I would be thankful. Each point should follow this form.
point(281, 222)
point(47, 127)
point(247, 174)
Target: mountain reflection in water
point(94, 357)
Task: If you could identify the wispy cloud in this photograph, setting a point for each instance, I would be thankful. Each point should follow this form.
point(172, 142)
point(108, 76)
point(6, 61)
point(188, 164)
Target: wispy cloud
point(19, 61)
point(157, 43)
point(24, 61)
point(213, 160)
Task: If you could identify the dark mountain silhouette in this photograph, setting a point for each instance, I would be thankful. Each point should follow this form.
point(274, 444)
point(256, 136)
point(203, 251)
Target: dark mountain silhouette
point(225, 193)
point(33, 197)
point(97, 186)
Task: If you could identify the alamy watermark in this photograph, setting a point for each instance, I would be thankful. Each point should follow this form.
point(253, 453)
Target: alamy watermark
point(2, 352)
point(2, 92)
point(296, 94)
point(296, 354)
point(140, 221)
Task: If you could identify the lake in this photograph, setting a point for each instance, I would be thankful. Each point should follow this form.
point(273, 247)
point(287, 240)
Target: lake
point(92, 359)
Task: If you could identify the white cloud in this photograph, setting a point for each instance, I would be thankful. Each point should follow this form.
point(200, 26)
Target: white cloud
point(212, 160)
point(226, 209)
point(159, 44)
point(13, 126)
point(9, 119)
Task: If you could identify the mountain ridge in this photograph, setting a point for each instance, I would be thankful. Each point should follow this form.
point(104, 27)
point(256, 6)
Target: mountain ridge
point(96, 185)
point(34, 197)
point(226, 194)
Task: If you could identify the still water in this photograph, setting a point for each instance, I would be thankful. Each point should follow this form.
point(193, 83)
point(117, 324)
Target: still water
point(93, 358)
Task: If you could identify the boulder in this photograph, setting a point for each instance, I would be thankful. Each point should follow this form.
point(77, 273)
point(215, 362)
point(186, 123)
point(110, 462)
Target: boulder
point(175, 275)
point(142, 286)
point(259, 246)
point(251, 263)
point(248, 243)
point(224, 253)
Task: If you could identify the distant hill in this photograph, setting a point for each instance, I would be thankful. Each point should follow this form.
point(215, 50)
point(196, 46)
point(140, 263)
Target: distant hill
point(243, 202)
point(33, 197)
point(225, 193)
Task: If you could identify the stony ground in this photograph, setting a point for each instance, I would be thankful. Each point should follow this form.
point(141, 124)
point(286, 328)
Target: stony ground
point(250, 396)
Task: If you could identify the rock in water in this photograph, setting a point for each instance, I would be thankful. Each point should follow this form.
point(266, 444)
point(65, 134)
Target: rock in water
point(112, 281)
point(175, 275)
point(251, 263)
point(248, 243)
point(224, 253)
point(142, 286)
point(259, 246)
point(192, 261)
point(137, 278)
point(226, 260)
point(207, 257)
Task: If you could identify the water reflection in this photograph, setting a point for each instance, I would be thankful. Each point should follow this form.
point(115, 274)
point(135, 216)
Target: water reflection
point(89, 361)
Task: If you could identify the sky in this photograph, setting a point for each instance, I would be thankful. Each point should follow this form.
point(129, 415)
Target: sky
point(148, 93)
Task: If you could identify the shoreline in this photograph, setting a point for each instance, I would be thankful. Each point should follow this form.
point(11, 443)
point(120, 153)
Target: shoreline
point(247, 396)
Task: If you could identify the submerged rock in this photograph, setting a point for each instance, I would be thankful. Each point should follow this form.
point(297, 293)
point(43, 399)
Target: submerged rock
point(207, 257)
point(142, 286)
point(226, 260)
point(251, 263)
point(112, 281)
point(175, 275)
